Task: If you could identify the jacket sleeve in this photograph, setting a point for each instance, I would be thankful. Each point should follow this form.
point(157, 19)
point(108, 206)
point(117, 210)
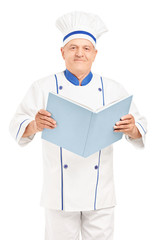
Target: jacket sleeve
point(140, 121)
point(25, 113)
point(116, 91)
point(141, 124)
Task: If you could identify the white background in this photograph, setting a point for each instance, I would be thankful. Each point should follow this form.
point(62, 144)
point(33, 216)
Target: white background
point(128, 53)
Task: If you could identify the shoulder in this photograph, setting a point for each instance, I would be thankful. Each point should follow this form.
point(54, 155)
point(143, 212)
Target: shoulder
point(47, 83)
point(112, 88)
point(111, 82)
point(108, 82)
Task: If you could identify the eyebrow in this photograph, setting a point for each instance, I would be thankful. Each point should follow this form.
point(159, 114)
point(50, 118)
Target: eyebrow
point(78, 46)
point(73, 45)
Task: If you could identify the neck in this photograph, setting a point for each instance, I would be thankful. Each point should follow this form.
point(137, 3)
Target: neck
point(80, 75)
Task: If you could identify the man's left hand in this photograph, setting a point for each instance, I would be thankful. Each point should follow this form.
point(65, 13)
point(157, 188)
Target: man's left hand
point(127, 126)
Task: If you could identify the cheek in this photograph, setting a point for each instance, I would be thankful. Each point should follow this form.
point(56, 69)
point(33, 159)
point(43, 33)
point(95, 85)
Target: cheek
point(70, 56)
point(67, 58)
point(90, 59)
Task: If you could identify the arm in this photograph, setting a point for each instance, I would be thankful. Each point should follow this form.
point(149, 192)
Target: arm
point(134, 126)
point(127, 126)
point(23, 121)
point(42, 120)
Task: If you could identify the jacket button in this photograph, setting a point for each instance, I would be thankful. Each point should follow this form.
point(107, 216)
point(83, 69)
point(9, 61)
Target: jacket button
point(100, 89)
point(60, 87)
point(65, 166)
point(96, 167)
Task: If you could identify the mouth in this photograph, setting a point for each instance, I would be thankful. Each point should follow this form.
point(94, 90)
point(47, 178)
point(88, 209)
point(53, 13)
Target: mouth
point(78, 60)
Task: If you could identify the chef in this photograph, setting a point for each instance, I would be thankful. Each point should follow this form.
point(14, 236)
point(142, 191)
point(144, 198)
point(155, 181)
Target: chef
point(78, 193)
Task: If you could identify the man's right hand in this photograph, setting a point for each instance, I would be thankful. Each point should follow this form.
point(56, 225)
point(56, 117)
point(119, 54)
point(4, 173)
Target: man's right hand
point(42, 120)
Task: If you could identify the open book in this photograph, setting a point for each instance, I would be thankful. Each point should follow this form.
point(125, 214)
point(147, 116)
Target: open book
point(80, 129)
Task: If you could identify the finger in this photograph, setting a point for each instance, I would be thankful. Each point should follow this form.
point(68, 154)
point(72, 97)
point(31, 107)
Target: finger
point(127, 130)
point(43, 125)
point(48, 123)
point(125, 117)
point(44, 122)
point(49, 119)
point(44, 112)
point(123, 127)
point(124, 122)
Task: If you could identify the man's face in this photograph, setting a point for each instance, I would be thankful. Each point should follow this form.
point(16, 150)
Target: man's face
point(79, 55)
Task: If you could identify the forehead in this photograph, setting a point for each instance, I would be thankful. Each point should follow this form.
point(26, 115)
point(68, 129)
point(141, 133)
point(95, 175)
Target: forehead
point(80, 42)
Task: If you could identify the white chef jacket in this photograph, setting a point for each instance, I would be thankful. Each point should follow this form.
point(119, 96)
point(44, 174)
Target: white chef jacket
point(72, 182)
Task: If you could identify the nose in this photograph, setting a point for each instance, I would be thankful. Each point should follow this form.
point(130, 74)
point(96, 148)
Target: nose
point(79, 52)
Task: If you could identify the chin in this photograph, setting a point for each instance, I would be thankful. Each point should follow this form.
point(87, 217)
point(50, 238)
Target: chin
point(80, 66)
point(79, 69)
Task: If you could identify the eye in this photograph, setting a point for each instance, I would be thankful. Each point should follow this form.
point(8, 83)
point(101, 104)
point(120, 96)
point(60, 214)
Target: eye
point(72, 47)
point(87, 48)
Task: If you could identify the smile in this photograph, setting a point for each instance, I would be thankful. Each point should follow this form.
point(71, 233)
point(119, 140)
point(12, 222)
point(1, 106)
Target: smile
point(79, 60)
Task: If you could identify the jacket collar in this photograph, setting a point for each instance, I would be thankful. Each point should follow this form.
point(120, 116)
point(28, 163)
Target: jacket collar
point(74, 80)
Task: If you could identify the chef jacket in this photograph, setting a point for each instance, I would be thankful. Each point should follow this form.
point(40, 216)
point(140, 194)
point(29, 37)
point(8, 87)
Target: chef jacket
point(72, 182)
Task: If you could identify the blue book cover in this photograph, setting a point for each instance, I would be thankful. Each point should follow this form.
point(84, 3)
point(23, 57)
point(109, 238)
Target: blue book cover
point(80, 129)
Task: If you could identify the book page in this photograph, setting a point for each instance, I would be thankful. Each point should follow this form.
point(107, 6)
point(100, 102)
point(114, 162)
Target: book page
point(72, 101)
point(111, 104)
point(88, 108)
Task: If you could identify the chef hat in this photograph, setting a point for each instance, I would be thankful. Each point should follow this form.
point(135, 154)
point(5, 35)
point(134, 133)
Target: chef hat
point(81, 25)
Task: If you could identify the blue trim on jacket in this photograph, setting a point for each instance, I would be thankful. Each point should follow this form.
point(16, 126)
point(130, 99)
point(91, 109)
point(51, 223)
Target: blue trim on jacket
point(141, 127)
point(99, 152)
point(102, 92)
point(61, 178)
point(56, 83)
point(97, 180)
point(20, 127)
point(60, 157)
point(74, 80)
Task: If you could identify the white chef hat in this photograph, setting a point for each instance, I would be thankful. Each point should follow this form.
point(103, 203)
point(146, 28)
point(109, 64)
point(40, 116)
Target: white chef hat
point(81, 25)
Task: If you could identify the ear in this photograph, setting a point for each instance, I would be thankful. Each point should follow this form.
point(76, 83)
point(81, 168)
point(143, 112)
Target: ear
point(95, 54)
point(62, 52)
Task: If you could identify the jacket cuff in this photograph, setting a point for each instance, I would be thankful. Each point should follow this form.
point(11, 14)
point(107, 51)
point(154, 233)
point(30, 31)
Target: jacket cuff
point(139, 142)
point(20, 140)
